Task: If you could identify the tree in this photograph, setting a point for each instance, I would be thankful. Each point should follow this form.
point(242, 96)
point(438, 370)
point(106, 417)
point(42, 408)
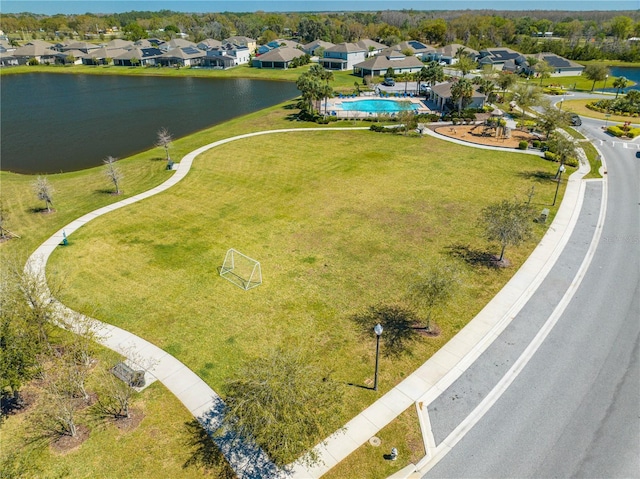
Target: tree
point(596, 72)
point(526, 95)
point(543, 69)
point(44, 191)
point(461, 93)
point(552, 118)
point(434, 74)
point(621, 27)
point(163, 140)
point(434, 286)
point(285, 402)
point(407, 117)
point(113, 172)
point(309, 86)
point(505, 81)
point(563, 147)
point(134, 32)
point(421, 76)
point(114, 397)
point(620, 83)
point(465, 64)
point(508, 222)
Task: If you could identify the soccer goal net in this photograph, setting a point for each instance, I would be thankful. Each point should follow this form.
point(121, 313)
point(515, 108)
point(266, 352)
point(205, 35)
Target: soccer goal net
point(241, 270)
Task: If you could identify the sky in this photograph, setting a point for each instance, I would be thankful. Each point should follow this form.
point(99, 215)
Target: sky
point(51, 7)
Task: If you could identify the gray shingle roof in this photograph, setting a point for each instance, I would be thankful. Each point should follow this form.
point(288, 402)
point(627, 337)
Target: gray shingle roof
point(282, 54)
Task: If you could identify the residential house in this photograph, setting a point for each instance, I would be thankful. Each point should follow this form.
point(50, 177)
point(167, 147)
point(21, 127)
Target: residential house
point(118, 43)
point(561, 66)
point(150, 43)
point(279, 42)
point(242, 41)
point(226, 56)
point(379, 64)
point(311, 47)
point(277, 58)
point(372, 47)
point(209, 43)
point(449, 54)
point(177, 43)
point(417, 49)
point(138, 56)
point(82, 47)
point(101, 56)
point(440, 94)
point(7, 59)
point(343, 56)
point(188, 56)
point(504, 59)
point(40, 50)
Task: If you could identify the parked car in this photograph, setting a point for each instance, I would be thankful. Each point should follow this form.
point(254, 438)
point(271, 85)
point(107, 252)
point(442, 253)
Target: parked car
point(389, 82)
point(425, 88)
point(575, 120)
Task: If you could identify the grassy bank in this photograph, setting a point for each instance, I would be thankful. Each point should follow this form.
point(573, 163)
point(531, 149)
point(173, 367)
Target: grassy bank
point(342, 80)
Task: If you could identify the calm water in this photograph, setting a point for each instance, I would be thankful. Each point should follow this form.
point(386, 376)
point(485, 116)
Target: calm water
point(632, 74)
point(51, 123)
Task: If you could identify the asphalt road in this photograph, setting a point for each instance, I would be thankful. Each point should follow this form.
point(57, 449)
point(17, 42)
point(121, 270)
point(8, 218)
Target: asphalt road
point(574, 410)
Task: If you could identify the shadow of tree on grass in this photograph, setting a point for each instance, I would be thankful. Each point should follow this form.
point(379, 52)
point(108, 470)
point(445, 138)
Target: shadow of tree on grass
point(205, 453)
point(399, 325)
point(474, 257)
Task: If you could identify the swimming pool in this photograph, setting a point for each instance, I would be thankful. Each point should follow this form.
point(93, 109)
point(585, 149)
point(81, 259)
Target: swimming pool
point(379, 105)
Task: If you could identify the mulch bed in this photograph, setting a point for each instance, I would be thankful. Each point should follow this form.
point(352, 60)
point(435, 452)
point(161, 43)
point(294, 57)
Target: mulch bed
point(130, 423)
point(64, 444)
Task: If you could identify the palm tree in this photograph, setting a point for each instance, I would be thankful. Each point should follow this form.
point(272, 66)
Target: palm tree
point(543, 69)
point(620, 83)
point(422, 75)
point(461, 92)
point(435, 73)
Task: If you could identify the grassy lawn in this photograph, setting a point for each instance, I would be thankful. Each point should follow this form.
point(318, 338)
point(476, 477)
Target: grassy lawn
point(368, 461)
point(339, 220)
point(342, 80)
point(580, 107)
point(574, 83)
point(160, 446)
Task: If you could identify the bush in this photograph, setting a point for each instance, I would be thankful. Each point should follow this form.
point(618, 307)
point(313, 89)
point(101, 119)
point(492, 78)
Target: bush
point(615, 131)
point(573, 162)
point(536, 143)
point(550, 156)
point(523, 145)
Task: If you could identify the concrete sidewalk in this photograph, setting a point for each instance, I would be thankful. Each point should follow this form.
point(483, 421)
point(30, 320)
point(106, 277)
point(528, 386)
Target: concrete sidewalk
point(437, 374)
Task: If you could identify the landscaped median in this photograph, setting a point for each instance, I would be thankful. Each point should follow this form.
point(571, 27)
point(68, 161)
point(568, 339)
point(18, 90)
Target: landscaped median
point(340, 221)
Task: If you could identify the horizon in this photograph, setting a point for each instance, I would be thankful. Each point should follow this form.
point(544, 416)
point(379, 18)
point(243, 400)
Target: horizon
point(74, 7)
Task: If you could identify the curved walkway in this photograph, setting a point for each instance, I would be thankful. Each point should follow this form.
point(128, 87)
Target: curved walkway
point(201, 401)
point(426, 382)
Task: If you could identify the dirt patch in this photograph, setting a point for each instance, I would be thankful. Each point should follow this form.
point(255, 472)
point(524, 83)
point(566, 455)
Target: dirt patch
point(433, 331)
point(65, 444)
point(478, 135)
point(130, 423)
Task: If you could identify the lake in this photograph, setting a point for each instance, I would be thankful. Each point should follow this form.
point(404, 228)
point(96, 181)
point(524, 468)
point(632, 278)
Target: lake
point(629, 73)
point(53, 122)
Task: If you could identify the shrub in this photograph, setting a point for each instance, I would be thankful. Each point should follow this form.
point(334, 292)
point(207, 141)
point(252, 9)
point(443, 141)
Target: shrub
point(550, 156)
point(536, 143)
point(615, 130)
point(633, 132)
point(523, 145)
point(573, 162)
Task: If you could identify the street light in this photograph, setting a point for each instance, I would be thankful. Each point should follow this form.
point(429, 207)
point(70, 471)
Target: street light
point(605, 83)
point(560, 171)
point(378, 331)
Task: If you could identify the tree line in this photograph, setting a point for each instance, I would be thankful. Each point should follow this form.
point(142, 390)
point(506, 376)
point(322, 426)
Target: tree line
point(576, 35)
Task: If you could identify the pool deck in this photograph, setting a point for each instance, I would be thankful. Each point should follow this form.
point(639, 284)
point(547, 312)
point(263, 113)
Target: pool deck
point(334, 106)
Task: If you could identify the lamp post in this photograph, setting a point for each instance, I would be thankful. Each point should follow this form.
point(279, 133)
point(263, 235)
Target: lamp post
point(378, 331)
point(605, 83)
point(560, 171)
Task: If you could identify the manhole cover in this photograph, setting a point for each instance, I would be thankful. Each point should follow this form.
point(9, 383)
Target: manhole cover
point(375, 441)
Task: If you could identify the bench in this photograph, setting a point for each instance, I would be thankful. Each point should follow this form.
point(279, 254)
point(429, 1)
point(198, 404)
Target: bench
point(544, 215)
point(134, 378)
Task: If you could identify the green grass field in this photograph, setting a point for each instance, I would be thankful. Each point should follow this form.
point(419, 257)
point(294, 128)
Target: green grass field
point(339, 221)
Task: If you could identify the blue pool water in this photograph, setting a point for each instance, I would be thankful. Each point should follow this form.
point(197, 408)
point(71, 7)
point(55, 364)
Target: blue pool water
point(378, 106)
